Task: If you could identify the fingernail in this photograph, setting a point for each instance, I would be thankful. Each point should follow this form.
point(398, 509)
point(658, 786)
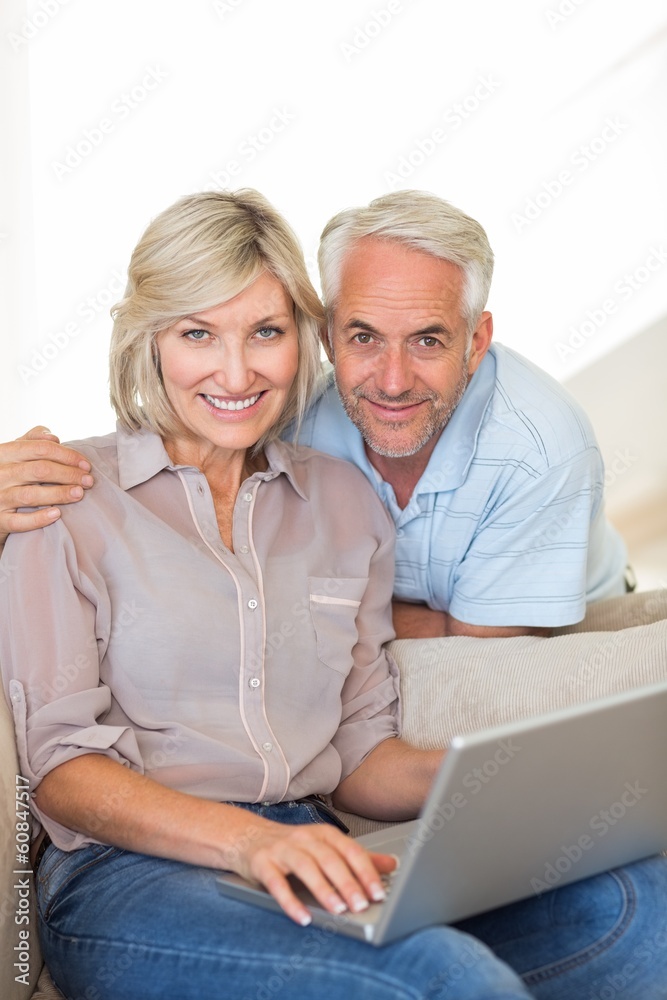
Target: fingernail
point(86, 480)
point(358, 903)
point(397, 860)
point(53, 513)
point(377, 892)
point(76, 493)
point(305, 920)
point(338, 906)
point(86, 466)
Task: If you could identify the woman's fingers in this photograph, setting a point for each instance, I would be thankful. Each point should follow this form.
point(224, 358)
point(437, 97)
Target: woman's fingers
point(337, 871)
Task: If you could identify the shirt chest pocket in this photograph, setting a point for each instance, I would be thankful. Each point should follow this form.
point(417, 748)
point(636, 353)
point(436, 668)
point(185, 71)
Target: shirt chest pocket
point(334, 606)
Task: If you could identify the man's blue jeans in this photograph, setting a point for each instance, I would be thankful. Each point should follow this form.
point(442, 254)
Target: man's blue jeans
point(120, 925)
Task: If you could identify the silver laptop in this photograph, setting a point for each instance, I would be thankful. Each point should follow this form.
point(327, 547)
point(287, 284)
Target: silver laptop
point(515, 811)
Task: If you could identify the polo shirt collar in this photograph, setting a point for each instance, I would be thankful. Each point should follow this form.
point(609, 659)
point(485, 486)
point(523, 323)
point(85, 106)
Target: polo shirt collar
point(449, 463)
point(452, 455)
point(142, 454)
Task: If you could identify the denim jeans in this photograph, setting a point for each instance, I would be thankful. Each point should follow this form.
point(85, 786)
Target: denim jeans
point(115, 924)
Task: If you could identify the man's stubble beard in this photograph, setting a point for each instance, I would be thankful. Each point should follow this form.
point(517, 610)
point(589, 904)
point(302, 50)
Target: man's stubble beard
point(438, 416)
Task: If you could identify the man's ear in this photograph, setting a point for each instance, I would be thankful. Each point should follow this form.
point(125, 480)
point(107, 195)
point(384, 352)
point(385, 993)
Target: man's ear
point(326, 341)
point(481, 340)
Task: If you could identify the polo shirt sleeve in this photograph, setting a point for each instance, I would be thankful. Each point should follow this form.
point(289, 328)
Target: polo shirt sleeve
point(51, 641)
point(526, 563)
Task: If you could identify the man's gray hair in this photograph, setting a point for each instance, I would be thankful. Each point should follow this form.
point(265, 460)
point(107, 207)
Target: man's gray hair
point(419, 220)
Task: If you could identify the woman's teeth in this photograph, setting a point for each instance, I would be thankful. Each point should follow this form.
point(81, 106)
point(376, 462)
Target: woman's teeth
point(233, 404)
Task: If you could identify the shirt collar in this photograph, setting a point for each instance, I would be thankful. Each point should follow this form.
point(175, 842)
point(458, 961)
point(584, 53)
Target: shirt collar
point(452, 455)
point(450, 460)
point(142, 454)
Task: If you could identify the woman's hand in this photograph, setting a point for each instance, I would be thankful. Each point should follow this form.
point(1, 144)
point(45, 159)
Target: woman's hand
point(337, 870)
point(115, 805)
point(25, 466)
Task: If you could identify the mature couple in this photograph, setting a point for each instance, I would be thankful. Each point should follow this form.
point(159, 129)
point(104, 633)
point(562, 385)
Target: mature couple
point(177, 745)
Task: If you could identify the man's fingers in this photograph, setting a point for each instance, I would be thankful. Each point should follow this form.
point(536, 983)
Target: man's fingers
point(26, 522)
point(39, 433)
point(43, 451)
point(39, 496)
point(40, 471)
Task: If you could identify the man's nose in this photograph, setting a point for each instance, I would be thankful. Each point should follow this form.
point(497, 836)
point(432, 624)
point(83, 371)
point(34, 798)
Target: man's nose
point(393, 373)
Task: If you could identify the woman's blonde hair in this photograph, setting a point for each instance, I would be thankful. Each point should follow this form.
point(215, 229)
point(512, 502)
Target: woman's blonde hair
point(200, 252)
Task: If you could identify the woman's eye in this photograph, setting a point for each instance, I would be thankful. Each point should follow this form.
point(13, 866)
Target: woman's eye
point(268, 332)
point(196, 335)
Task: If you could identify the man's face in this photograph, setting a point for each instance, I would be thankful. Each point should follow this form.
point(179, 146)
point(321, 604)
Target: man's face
point(400, 345)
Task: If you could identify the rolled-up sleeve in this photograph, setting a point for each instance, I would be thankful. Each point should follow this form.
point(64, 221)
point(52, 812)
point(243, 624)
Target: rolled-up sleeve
point(55, 629)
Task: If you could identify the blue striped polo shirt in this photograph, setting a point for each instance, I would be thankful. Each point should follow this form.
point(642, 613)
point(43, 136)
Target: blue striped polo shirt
point(506, 527)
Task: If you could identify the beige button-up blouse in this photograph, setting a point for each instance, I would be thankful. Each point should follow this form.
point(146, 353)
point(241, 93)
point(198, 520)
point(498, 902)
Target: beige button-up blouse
point(129, 629)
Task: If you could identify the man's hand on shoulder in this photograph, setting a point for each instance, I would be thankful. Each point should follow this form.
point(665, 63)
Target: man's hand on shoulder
point(417, 621)
point(26, 465)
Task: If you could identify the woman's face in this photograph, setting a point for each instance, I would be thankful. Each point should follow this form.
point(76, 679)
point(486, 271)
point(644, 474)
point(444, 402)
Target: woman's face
point(227, 371)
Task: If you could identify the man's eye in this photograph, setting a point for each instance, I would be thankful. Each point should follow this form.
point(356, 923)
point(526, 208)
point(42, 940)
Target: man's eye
point(429, 342)
point(363, 338)
point(196, 335)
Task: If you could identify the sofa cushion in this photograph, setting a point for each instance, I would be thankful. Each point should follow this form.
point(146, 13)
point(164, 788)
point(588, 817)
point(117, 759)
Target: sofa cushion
point(458, 685)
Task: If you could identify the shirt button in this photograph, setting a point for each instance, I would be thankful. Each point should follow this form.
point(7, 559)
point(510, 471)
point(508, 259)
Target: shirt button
point(252, 603)
point(200, 489)
point(268, 747)
point(244, 550)
point(254, 682)
point(247, 497)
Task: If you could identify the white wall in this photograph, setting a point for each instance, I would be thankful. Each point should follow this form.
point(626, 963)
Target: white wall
point(491, 105)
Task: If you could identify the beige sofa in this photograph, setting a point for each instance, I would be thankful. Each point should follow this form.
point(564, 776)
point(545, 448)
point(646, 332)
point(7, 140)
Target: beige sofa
point(449, 686)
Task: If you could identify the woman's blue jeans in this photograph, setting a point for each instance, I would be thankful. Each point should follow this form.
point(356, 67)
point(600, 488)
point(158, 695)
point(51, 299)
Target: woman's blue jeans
point(120, 925)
